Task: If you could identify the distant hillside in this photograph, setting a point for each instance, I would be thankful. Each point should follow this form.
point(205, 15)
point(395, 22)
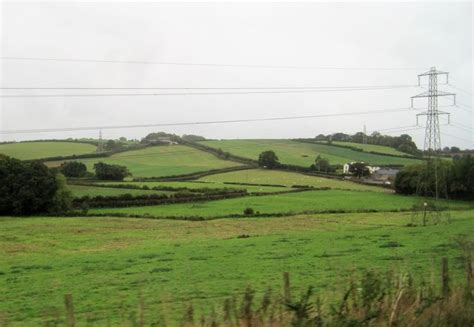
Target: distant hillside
point(45, 149)
point(158, 161)
point(303, 154)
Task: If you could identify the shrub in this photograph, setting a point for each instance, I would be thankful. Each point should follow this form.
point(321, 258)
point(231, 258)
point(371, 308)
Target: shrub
point(248, 211)
point(110, 172)
point(73, 169)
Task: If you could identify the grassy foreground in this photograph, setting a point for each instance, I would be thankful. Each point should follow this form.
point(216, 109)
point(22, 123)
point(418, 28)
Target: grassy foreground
point(38, 150)
point(106, 263)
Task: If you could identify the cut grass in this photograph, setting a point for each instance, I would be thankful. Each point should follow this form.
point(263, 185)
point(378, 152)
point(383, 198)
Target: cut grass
point(38, 150)
point(310, 201)
point(265, 176)
point(160, 161)
point(108, 264)
point(304, 154)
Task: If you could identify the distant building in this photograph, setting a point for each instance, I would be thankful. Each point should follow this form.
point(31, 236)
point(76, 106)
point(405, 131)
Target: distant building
point(345, 168)
point(386, 175)
point(165, 140)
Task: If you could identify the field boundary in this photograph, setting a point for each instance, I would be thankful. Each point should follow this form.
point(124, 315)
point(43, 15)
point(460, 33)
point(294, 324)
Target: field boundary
point(190, 176)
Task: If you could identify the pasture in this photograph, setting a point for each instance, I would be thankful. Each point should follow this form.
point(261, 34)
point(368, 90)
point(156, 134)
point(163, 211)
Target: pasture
point(373, 148)
point(288, 203)
point(304, 154)
point(39, 150)
point(289, 179)
point(160, 161)
point(109, 264)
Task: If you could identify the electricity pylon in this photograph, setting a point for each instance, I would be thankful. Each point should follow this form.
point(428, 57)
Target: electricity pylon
point(100, 146)
point(432, 146)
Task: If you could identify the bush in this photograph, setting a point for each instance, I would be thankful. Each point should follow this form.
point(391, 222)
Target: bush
point(73, 169)
point(248, 211)
point(110, 172)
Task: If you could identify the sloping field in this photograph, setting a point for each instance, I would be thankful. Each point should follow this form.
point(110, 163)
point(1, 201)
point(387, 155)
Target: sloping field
point(263, 176)
point(38, 150)
point(160, 161)
point(313, 201)
point(109, 264)
point(374, 148)
point(303, 154)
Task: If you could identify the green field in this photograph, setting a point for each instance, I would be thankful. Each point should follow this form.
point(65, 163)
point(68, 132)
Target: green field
point(159, 161)
point(106, 263)
point(38, 150)
point(80, 190)
point(303, 154)
point(261, 176)
point(374, 148)
point(203, 184)
point(314, 201)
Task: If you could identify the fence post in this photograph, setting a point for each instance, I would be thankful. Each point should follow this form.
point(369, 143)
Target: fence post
point(70, 321)
point(445, 277)
point(286, 286)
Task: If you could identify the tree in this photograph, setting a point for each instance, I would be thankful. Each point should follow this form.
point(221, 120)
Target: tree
point(359, 169)
point(62, 201)
point(73, 169)
point(321, 137)
point(268, 159)
point(455, 149)
point(322, 164)
point(27, 187)
point(110, 172)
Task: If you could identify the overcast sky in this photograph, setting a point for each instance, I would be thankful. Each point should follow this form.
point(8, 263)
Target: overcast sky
point(409, 37)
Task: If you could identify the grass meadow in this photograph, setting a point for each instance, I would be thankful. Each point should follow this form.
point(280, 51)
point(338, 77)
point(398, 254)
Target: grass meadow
point(160, 161)
point(112, 264)
point(38, 150)
point(303, 154)
point(288, 203)
point(374, 148)
point(263, 176)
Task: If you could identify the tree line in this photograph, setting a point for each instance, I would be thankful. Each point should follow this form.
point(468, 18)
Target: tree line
point(452, 178)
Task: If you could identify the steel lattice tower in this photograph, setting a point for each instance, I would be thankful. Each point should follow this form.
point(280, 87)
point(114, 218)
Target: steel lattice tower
point(432, 142)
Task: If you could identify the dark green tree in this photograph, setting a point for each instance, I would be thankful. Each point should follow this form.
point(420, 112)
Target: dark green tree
point(268, 159)
point(359, 169)
point(110, 172)
point(73, 169)
point(27, 188)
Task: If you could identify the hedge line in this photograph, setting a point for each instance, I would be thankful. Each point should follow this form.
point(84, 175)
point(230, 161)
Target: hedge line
point(221, 154)
point(190, 176)
point(255, 215)
point(127, 200)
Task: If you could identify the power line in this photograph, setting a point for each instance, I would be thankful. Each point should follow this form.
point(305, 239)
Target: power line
point(459, 138)
point(170, 63)
point(216, 88)
point(188, 93)
point(92, 128)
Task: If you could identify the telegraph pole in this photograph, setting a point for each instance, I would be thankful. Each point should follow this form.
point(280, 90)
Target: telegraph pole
point(100, 146)
point(364, 140)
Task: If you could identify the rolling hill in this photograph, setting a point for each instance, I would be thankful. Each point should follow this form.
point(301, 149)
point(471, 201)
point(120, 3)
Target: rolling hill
point(304, 154)
point(39, 150)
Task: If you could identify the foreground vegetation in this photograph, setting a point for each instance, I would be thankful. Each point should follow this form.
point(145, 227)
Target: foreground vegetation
point(111, 265)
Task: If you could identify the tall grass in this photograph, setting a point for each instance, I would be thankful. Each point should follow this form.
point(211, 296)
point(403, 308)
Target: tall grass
point(371, 299)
